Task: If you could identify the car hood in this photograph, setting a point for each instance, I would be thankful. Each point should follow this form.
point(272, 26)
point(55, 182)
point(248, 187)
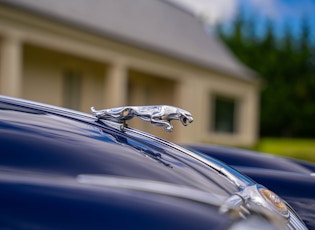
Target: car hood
point(46, 149)
point(53, 142)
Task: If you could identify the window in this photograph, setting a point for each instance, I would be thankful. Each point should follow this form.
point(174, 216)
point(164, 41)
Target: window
point(224, 110)
point(72, 89)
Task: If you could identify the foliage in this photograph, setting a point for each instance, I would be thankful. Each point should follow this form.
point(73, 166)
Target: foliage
point(303, 149)
point(287, 65)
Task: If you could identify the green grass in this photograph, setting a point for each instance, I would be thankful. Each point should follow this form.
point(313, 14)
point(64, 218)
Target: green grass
point(303, 149)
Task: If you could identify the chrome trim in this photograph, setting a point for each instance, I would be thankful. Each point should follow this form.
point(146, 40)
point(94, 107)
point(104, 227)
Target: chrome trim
point(234, 203)
point(254, 201)
point(228, 172)
point(295, 222)
point(43, 106)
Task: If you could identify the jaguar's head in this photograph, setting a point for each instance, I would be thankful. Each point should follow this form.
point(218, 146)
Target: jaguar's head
point(185, 117)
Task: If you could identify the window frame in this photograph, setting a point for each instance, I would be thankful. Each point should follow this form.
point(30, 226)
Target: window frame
point(72, 88)
point(213, 126)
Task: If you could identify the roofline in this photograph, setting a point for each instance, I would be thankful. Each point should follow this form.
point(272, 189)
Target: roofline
point(253, 77)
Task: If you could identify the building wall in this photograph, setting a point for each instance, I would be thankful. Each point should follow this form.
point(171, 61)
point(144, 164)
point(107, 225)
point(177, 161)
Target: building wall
point(43, 77)
point(146, 89)
point(36, 54)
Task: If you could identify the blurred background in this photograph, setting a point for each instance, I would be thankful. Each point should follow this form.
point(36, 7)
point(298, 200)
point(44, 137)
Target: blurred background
point(276, 39)
point(244, 68)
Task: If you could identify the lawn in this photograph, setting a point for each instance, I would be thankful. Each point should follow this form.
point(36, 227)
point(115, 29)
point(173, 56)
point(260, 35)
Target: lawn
point(303, 149)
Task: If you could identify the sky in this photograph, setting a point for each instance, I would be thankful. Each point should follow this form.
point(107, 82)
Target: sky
point(282, 13)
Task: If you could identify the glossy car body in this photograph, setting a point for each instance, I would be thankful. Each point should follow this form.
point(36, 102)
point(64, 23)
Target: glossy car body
point(292, 179)
point(61, 169)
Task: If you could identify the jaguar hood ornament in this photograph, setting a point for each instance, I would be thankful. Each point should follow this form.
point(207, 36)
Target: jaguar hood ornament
point(159, 115)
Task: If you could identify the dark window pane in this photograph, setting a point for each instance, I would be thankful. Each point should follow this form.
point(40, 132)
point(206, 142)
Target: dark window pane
point(224, 115)
point(71, 90)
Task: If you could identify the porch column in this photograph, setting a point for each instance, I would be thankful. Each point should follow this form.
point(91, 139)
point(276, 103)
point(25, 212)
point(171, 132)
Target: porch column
point(116, 85)
point(188, 95)
point(11, 66)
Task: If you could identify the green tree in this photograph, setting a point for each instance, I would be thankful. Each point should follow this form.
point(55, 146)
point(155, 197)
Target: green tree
point(287, 66)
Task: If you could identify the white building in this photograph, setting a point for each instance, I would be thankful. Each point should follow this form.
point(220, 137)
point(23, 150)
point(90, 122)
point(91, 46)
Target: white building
point(112, 53)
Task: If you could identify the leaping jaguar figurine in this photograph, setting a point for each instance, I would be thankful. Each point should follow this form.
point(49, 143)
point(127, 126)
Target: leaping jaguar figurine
point(159, 115)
